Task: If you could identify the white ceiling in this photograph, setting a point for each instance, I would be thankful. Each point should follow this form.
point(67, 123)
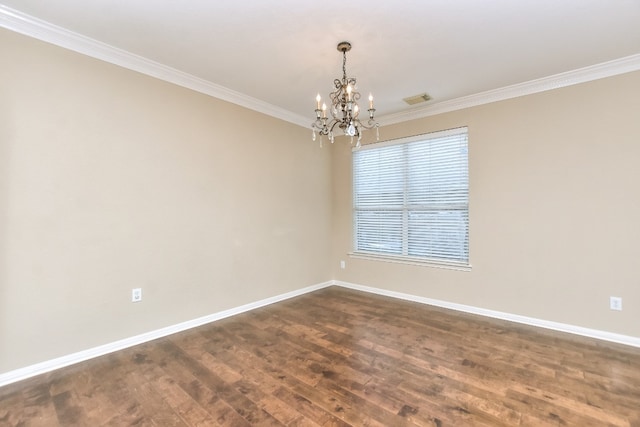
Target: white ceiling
point(282, 52)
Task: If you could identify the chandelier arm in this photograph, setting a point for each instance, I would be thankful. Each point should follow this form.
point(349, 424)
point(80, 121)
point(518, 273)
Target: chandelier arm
point(369, 124)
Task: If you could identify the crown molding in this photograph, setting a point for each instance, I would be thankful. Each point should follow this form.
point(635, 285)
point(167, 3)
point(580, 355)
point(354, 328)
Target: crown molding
point(582, 75)
point(22, 23)
point(28, 25)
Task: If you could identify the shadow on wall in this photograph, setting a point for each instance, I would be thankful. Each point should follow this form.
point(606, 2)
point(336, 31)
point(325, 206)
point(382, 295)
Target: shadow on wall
point(5, 137)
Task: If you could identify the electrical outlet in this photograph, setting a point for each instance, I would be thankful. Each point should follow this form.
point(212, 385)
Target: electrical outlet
point(615, 303)
point(136, 295)
point(343, 265)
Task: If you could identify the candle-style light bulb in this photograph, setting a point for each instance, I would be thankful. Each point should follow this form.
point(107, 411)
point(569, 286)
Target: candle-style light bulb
point(349, 89)
point(324, 110)
point(370, 101)
point(318, 99)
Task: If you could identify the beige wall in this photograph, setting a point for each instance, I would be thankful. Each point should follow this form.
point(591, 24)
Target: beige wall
point(111, 180)
point(554, 208)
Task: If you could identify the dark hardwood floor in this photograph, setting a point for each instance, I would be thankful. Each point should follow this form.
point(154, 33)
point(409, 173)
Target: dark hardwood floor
point(338, 357)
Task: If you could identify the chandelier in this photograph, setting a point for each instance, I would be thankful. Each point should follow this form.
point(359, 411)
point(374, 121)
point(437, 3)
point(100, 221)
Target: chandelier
point(344, 107)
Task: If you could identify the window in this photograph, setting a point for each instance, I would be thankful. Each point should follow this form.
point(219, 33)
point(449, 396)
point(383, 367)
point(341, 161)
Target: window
point(411, 199)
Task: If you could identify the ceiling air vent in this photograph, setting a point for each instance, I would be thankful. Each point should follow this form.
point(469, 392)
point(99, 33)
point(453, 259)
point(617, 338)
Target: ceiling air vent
point(412, 100)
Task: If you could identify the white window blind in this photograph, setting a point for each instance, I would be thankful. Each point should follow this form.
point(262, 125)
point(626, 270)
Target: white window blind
point(410, 198)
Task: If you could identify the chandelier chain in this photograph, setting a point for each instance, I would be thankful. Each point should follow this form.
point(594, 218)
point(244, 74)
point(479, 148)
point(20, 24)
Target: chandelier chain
point(344, 65)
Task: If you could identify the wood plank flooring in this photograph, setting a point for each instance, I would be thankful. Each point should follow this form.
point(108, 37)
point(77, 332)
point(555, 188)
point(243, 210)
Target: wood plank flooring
point(338, 357)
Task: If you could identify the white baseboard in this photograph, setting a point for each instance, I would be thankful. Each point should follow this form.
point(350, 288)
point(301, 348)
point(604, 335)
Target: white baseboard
point(60, 362)
point(556, 326)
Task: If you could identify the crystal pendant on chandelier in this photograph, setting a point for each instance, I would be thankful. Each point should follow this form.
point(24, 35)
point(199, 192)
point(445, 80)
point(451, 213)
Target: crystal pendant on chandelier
point(344, 107)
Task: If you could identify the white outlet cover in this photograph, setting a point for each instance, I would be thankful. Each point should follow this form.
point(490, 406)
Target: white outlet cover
point(615, 303)
point(136, 295)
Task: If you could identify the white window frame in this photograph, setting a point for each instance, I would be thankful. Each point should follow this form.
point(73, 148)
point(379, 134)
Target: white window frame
point(456, 258)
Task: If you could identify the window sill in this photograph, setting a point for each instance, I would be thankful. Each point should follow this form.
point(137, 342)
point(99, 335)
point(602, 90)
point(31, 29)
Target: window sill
point(411, 261)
